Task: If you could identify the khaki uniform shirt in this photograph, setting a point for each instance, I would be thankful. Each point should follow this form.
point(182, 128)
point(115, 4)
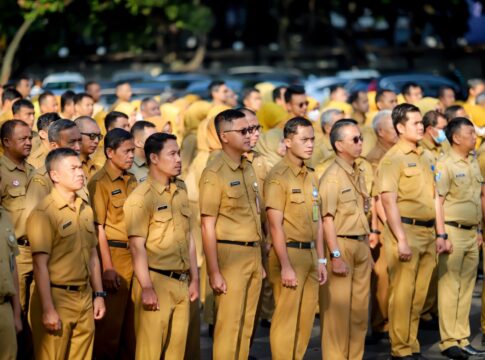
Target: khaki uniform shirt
point(37, 157)
point(345, 197)
point(438, 151)
point(230, 192)
point(161, 216)
point(8, 251)
point(67, 236)
point(293, 190)
point(38, 187)
point(459, 181)
point(108, 191)
point(408, 173)
point(90, 167)
point(13, 186)
point(139, 169)
point(376, 154)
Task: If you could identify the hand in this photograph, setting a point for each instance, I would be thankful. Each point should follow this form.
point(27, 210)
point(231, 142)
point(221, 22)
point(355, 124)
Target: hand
point(217, 282)
point(440, 246)
point(268, 247)
point(99, 308)
point(149, 299)
point(288, 277)
point(51, 320)
point(322, 274)
point(404, 251)
point(111, 280)
point(479, 239)
point(373, 240)
point(339, 267)
point(194, 290)
point(17, 321)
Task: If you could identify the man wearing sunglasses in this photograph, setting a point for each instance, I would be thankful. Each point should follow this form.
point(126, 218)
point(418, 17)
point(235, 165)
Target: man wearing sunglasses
point(296, 101)
point(411, 204)
point(37, 156)
point(230, 208)
point(345, 201)
point(91, 136)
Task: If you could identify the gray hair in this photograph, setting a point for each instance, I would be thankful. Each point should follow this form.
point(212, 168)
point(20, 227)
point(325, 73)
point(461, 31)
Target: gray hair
point(328, 115)
point(80, 121)
point(480, 98)
point(380, 116)
point(475, 82)
point(56, 127)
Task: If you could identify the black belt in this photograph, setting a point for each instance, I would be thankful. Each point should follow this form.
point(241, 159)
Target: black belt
point(353, 237)
point(460, 226)
point(300, 245)
point(22, 241)
point(118, 244)
point(171, 274)
point(240, 243)
point(70, 287)
point(410, 221)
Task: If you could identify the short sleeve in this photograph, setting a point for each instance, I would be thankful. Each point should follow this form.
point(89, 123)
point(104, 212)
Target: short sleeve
point(137, 216)
point(274, 194)
point(442, 176)
point(388, 176)
point(99, 201)
point(40, 241)
point(328, 190)
point(210, 194)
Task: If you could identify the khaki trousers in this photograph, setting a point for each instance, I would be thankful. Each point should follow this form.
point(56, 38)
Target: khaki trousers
point(294, 313)
point(242, 270)
point(457, 273)
point(8, 340)
point(408, 285)
point(345, 304)
point(192, 347)
point(76, 337)
point(379, 290)
point(430, 306)
point(163, 333)
point(115, 332)
point(26, 285)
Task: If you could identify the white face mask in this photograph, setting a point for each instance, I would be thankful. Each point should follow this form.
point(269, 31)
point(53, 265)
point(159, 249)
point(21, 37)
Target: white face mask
point(313, 115)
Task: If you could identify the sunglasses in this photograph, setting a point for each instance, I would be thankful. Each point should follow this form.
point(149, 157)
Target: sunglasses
point(357, 139)
point(255, 128)
point(305, 103)
point(243, 132)
point(93, 136)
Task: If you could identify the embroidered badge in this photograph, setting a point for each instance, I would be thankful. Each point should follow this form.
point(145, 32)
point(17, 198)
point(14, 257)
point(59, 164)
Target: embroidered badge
point(15, 182)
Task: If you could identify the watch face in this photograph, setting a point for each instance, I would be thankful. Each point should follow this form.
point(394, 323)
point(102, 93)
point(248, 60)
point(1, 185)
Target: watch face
point(336, 254)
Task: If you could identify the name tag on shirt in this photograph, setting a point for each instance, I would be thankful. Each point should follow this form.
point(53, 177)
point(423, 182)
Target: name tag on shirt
point(296, 191)
point(162, 207)
point(235, 183)
point(116, 192)
point(346, 190)
point(460, 175)
point(66, 225)
point(411, 164)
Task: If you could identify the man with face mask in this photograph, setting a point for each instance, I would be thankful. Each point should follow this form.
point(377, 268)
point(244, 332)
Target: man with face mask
point(434, 138)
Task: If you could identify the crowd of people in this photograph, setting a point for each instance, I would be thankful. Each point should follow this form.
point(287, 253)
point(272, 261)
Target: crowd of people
point(119, 225)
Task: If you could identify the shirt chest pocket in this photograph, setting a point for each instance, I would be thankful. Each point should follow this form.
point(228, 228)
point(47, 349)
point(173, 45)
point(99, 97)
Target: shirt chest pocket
point(68, 235)
point(347, 202)
point(410, 181)
point(234, 196)
point(16, 198)
point(297, 204)
point(162, 221)
point(117, 209)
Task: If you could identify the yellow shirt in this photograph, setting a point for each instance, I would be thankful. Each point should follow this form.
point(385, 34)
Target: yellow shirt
point(230, 192)
point(162, 217)
point(344, 197)
point(139, 169)
point(293, 190)
point(408, 173)
point(13, 187)
point(37, 157)
point(108, 191)
point(459, 181)
point(67, 235)
point(438, 151)
point(8, 251)
point(90, 167)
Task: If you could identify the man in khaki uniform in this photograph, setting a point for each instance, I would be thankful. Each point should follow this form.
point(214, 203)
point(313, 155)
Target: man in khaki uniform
point(345, 204)
point(37, 157)
point(461, 190)
point(23, 110)
point(323, 149)
point(83, 105)
point(113, 119)
point(230, 207)
point(140, 131)
point(108, 190)
point(293, 210)
point(9, 96)
point(66, 265)
point(48, 103)
point(406, 184)
point(10, 312)
point(15, 173)
point(91, 137)
point(157, 220)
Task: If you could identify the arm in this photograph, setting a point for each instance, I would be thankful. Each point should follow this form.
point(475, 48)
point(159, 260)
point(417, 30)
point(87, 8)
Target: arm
point(140, 266)
point(442, 245)
point(275, 219)
point(111, 279)
point(373, 237)
point(322, 270)
point(480, 225)
point(50, 317)
point(208, 228)
point(194, 271)
point(96, 284)
point(16, 300)
point(339, 267)
point(389, 202)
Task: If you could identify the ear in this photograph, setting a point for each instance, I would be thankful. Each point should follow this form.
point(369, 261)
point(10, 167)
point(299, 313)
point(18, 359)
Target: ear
point(53, 145)
point(223, 138)
point(43, 134)
point(338, 145)
point(109, 153)
point(54, 176)
point(288, 107)
point(400, 129)
point(138, 143)
point(287, 143)
point(153, 158)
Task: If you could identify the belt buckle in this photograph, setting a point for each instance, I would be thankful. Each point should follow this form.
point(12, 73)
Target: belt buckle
point(414, 221)
point(183, 277)
point(255, 244)
point(459, 226)
point(312, 245)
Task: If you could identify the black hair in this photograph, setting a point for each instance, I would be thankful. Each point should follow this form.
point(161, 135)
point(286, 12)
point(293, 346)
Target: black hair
point(336, 131)
point(454, 126)
point(20, 103)
point(226, 116)
point(10, 94)
point(111, 117)
point(276, 94)
point(400, 114)
point(380, 94)
point(8, 127)
point(431, 118)
point(56, 127)
point(58, 154)
point(214, 86)
point(89, 83)
point(292, 125)
point(155, 143)
point(450, 112)
point(67, 98)
point(46, 119)
point(442, 89)
point(79, 97)
point(114, 138)
point(407, 87)
point(122, 82)
point(140, 126)
point(293, 90)
point(354, 96)
point(44, 96)
point(334, 88)
point(247, 92)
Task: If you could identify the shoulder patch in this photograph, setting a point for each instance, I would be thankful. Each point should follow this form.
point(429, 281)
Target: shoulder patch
point(39, 180)
point(180, 184)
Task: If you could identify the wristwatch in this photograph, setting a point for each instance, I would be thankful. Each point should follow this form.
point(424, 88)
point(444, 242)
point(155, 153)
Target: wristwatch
point(375, 231)
point(442, 236)
point(322, 261)
point(335, 254)
point(102, 294)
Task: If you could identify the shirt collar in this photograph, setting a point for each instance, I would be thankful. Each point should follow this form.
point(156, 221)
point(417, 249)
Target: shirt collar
point(231, 163)
point(295, 169)
point(11, 166)
point(159, 188)
point(346, 166)
point(457, 158)
point(407, 148)
point(62, 203)
point(113, 175)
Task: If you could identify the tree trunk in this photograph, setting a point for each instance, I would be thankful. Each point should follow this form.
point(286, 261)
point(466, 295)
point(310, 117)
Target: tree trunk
point(12, 49)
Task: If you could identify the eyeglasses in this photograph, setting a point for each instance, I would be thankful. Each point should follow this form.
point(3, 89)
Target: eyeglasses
point(93, 136)
point(243, 132)
point(255, 128)
point(305, 103)
point(357, 139)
